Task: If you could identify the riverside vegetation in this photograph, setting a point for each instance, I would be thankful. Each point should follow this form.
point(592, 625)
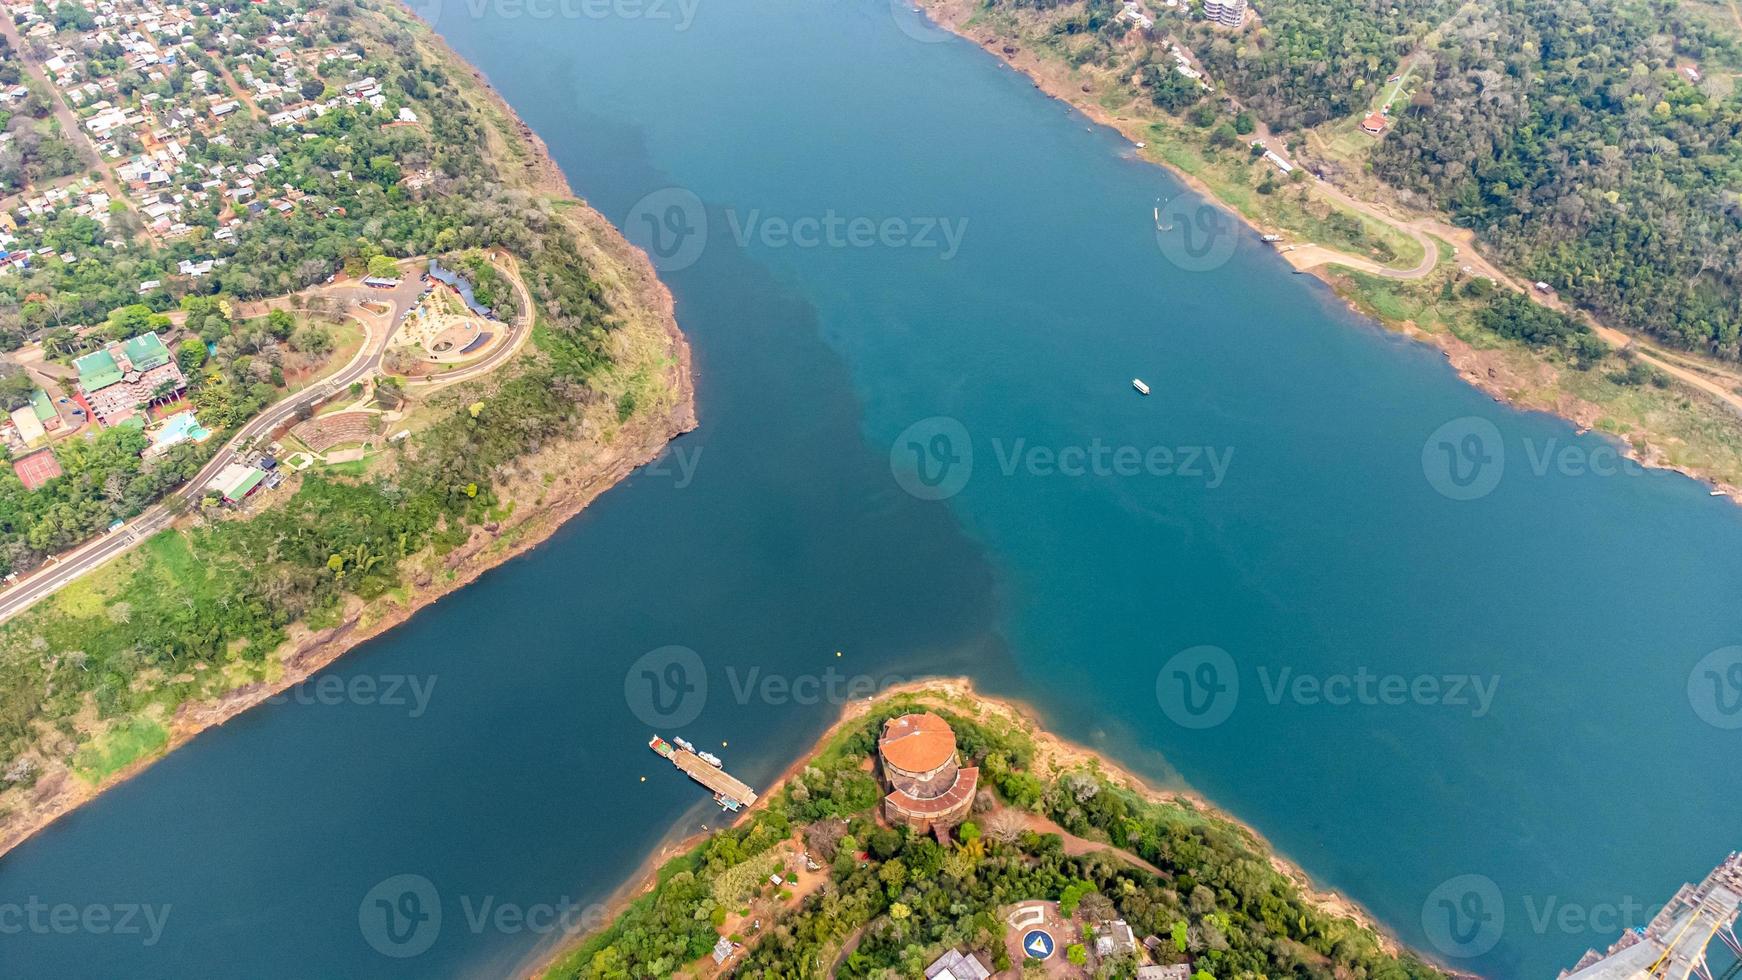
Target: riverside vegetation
point(1569, 139)
point(91, 678)
point(893, 901)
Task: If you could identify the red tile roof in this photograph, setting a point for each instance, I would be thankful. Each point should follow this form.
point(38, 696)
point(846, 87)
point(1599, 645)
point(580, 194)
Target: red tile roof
point(917, 742)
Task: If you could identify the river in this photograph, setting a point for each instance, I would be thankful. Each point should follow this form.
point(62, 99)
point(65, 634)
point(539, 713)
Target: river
point(1438, 651)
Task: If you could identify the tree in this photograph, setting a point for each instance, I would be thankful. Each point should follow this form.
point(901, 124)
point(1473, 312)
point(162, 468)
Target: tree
point(384, 267)
point(190, 354)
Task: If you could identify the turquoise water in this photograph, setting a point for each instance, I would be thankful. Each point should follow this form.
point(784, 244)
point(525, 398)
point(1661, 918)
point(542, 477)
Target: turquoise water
point(1546, 632)
point(177, 428)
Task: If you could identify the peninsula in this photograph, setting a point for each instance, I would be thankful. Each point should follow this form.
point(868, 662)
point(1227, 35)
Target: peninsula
point(935, 824)
point(404, 352)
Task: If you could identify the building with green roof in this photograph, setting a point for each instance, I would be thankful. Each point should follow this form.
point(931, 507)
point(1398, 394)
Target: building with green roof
point(42, 405)
point(97, 370)
point(145, 352)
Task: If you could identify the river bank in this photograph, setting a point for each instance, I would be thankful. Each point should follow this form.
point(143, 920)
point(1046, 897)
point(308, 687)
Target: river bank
point(550, 486)
point(1053, 757)
point(1702, 440)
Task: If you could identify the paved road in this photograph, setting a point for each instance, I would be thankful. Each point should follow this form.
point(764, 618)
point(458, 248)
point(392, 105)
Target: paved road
point(63, 568)
point(69, 123)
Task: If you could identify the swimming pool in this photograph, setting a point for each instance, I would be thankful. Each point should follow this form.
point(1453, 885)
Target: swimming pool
point(179, 427)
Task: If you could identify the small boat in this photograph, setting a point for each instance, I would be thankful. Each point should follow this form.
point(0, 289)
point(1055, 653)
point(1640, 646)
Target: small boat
point(1717, 493)
point(1142, 389)
point(1270, 238)
point(1140, 144)
point(710, 758)
point(658, 744)
point(727, 803)
point(686, 746)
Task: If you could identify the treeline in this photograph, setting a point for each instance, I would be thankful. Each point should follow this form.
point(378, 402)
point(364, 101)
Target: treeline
point(1564, 132)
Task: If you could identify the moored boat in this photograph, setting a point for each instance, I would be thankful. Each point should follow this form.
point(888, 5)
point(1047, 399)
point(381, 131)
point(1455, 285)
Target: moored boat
point(1142, 389)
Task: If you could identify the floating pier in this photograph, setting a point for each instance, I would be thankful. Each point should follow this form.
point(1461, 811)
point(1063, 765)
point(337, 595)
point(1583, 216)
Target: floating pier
point(729, 792)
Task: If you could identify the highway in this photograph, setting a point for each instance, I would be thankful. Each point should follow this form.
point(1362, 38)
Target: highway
point(60, 569)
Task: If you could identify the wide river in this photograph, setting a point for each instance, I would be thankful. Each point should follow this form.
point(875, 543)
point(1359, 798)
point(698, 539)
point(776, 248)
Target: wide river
point(918, 291)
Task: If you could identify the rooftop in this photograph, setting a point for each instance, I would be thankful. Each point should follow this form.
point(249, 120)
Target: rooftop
point(145, 352)
point(917, 743)
point(97, 370)
point(956, 965)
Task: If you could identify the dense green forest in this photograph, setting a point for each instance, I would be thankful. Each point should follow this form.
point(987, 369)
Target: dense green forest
point(905, 898)
point(1309, 61)
point(1564, 133)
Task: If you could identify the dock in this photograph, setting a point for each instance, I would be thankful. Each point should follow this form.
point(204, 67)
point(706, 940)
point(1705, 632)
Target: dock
point(729, 791)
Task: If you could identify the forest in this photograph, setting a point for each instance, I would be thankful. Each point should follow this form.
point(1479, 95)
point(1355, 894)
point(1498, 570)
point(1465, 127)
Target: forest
point(1309, 61)
point(1568, 135)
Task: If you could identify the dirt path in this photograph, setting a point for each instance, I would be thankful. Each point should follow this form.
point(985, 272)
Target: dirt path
point(1078, 846)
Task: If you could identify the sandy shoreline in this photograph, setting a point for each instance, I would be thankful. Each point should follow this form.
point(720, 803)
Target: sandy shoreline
point(639, 442)
point(1052, 754)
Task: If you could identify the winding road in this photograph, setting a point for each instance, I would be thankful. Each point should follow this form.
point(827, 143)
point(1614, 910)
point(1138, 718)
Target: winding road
point(60, 569)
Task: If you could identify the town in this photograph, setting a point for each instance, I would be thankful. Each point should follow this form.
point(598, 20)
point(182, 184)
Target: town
point(150, 351)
